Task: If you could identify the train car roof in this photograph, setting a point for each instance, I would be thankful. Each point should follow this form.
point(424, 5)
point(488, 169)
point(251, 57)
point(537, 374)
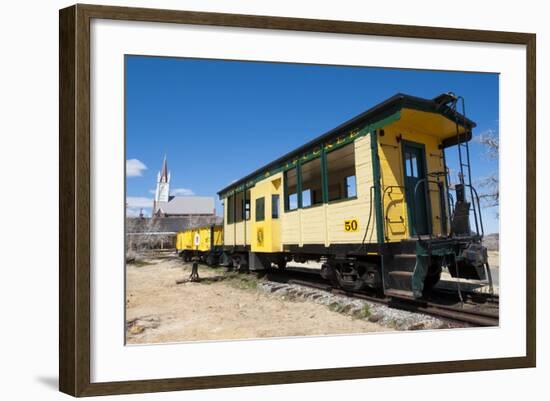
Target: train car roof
point(382, 110)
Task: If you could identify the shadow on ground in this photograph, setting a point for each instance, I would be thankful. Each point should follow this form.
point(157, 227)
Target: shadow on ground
point(49, 381)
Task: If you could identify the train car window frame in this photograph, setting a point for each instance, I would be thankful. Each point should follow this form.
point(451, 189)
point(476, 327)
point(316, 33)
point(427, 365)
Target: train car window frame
point(246, 209)
point(239, 207)
point(342, 183)
point(260, 207)
point(314, 198)
point(275, 206)
point(290, 198)
point(230, 209)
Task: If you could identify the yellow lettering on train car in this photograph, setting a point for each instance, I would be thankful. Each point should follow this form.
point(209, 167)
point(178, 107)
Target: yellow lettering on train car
point(351, 226)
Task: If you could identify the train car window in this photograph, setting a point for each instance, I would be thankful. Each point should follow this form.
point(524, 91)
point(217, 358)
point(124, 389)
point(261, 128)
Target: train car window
point(341, 173)
point(275, 206)
point(247, 206)
point(239, 207)
point(411, 165)
point(351, 186)
point(407, 164)
point(293, 202)
point(291, 190)
point(312, 184)
point(414, 166)
point(260, 209)
point(230, 209)
point(306, 198)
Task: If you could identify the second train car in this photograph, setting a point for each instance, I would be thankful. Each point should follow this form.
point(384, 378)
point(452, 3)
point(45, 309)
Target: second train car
point(205, 242)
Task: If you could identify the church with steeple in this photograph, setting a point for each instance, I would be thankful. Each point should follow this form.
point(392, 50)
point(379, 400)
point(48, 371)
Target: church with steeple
point(166, 205)
point(163, 183)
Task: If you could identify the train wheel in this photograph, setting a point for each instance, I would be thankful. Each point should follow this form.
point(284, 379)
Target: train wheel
point(224, 260)
point(210, 260)
point(243, 267)
point(431, 280)
point(345, 276)
point(350, 285)
point(281, 264)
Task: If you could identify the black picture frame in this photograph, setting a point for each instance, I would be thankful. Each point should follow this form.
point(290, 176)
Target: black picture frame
point(74, 203)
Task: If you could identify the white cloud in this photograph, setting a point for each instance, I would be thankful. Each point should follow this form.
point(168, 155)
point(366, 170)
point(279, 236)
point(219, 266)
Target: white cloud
point(182, 192)
point(177, 192)
point(134, 168)
point(132, 212)
point(133, 202)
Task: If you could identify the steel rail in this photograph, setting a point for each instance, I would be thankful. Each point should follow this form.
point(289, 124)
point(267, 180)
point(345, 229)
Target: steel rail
point(460, 314)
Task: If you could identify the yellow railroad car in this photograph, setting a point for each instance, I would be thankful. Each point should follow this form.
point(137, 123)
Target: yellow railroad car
point(184, 241)
point(203, 242)
point(372, 199)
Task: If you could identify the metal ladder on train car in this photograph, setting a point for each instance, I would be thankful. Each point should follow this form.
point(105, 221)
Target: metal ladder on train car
point(465, 178)
point(465, 174)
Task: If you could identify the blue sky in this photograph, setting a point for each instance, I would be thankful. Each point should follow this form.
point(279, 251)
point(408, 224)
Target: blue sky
point(217, 121)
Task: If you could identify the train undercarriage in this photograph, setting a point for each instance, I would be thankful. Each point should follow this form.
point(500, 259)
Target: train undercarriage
point(409, 268)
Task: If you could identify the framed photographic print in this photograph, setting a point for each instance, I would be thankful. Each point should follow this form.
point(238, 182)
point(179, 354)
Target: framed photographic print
point(250, 200)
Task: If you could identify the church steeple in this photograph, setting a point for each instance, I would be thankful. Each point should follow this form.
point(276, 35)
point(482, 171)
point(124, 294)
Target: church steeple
point(164, 171)
point(163, 183)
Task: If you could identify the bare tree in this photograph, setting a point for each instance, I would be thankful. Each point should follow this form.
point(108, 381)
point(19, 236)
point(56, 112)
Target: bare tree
point(150, 233)
point(142, 234)
point(490, 184)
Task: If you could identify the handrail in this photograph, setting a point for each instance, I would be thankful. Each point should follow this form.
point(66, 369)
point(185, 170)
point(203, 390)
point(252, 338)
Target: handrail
point(391, 187)
point(479, 209)
point(476, 215)
point(451, 202)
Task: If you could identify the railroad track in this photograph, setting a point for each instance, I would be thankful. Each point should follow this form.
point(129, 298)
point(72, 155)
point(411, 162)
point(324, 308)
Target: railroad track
point(477, 310)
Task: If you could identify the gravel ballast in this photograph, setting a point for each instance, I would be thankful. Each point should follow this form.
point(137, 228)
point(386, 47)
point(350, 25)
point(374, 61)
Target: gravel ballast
point(356, 308)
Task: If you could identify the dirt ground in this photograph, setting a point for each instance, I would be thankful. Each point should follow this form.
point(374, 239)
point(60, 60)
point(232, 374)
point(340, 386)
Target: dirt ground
point(494, 260)
point(220, 307)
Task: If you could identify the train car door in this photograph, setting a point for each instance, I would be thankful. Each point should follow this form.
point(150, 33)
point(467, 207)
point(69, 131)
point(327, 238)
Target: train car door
point(414, 159)
point(266, 208)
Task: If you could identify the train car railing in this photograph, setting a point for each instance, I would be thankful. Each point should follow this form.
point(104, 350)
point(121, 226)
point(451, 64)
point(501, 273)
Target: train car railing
point(477, 212)
point(475, 207)
point(388, 190)
point(446, 200)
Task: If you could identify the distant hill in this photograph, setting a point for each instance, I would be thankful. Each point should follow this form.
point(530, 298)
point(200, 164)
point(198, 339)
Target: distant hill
point(491, 241)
